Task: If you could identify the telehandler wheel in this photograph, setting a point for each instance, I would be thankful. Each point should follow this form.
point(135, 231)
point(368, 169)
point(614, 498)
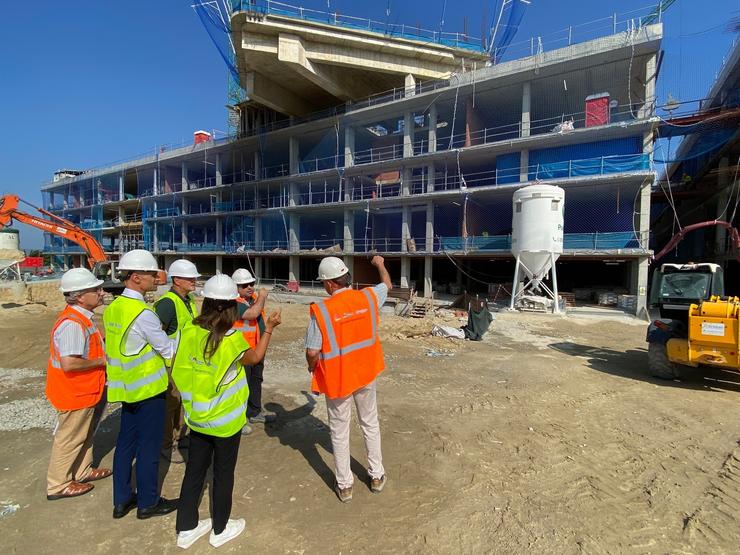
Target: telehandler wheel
point(659, 364)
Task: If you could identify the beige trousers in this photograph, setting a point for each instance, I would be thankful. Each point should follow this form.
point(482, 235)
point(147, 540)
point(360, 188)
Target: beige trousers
point(72, 451)
point(340, 415)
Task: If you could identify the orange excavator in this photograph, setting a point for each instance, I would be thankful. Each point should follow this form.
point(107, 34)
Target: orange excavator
point(99, 264)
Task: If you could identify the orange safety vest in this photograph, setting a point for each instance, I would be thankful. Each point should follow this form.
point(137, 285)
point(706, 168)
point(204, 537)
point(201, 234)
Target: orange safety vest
point(249, 328)
point(75, 390)
point(351, 355)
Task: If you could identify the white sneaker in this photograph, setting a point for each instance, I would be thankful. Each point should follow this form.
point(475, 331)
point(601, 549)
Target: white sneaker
point(186, 538)
point(233, 528)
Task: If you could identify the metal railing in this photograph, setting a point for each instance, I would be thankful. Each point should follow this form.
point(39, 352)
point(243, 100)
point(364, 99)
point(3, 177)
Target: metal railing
point(457, 40)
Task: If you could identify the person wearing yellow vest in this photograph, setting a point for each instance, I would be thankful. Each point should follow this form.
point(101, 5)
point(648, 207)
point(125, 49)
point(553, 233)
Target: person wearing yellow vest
point(208, 369)
point(252, 324)
point(175, 309)
point(344, 355)
point(75, 384)
point(137, 352)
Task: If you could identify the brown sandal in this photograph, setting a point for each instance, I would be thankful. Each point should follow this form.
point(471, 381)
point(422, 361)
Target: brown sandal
point(96, 474)
point(74, 489)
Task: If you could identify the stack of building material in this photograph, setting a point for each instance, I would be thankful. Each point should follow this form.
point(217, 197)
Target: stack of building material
point(607, 298)
point(628, 303)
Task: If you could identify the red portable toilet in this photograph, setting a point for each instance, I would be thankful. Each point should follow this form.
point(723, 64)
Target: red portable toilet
point(597, 109)
point(201, 136)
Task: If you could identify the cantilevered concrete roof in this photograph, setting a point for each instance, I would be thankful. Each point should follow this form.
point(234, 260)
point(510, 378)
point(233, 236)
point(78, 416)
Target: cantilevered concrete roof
point(298, 66)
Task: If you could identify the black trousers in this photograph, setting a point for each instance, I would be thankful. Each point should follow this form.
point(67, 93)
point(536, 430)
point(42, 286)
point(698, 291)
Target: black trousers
point(204, 449)
point(254, 380)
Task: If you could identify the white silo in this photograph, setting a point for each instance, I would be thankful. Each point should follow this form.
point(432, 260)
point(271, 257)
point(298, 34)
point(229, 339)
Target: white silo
point(537, 239)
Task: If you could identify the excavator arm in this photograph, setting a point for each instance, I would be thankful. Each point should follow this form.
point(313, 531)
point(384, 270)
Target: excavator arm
point(58, 226)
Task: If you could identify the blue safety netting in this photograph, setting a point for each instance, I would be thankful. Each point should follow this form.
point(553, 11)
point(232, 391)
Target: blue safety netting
point(504, 29)
point(215, 19)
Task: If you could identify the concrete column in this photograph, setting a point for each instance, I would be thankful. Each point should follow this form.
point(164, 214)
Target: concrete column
point(408, 135)
point(526, 107)
point(349, 229)
point(429, 235)
point(724, 210)
point(524, 166)
point(433, 128)
point(294, 272)
point(405, 271)
point(219, 176)
point(155, 242)
point(220, 232)
point(120, 189)
point(349, 261)
point(257, 166)
point(648, 108)
point(258, 267)
point(155, 182)
point(219, 264)
point(257, 222)
point(642, 265)
point(121, 213)
point(184, 170)
point(184, 232)
point(431, 175)
point(349, 147)
point(293, 194)
point(409, 84)
point(294, 223)
point(293, 155)
point(406, 182)
point(405, 227)
point(428, 262)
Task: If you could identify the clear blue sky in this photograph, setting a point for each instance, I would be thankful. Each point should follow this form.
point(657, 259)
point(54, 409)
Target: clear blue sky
point(85, 83)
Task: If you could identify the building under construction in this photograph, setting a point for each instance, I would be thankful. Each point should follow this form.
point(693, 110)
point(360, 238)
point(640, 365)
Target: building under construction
point(352, 139)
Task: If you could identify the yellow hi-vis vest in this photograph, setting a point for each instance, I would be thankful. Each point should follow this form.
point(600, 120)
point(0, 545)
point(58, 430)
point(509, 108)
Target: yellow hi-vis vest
point(131, 378)
point(214, 392)
point(181, 311)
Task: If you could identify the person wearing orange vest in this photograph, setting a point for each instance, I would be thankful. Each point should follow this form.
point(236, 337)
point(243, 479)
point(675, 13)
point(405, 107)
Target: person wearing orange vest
point(344, 356)
point(75, 384)
point(252, 325)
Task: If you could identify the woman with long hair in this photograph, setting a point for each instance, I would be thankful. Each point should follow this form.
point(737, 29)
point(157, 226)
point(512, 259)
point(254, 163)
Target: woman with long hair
point(208, 370)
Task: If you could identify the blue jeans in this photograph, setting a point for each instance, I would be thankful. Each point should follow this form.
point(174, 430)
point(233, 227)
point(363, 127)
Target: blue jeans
point(140, 438)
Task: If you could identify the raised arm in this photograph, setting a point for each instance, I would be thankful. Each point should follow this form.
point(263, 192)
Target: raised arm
point(385, 277)
point(253, 312)
point(257, 353)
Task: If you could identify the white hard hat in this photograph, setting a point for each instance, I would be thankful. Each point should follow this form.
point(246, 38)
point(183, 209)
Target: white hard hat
point(332, 267)
point(220, 287)
point(138, 259)
point(79, 279)
point(183, 268)
point(243, 276)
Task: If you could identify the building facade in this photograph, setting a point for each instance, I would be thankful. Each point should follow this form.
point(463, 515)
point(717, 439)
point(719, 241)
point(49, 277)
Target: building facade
point(423, 174)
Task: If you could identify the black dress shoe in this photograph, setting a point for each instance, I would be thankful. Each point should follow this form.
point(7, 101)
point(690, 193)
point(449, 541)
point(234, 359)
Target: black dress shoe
point(120, 511)
point(163, 507)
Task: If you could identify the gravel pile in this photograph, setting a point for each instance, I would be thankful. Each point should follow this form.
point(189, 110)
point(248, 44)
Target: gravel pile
point(25, 414)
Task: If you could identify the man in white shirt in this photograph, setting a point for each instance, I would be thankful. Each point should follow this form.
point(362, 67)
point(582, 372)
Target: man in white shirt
point(75, 385)
point(138, 351)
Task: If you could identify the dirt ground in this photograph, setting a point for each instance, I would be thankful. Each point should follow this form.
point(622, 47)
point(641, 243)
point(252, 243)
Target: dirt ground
point(546, 437)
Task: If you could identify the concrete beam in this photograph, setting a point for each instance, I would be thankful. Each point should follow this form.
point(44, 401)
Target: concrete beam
point(270, 94)
point(292, 51)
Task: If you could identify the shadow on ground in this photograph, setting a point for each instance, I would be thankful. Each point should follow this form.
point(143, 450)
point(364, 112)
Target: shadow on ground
point(307, 437)
point(633, 364)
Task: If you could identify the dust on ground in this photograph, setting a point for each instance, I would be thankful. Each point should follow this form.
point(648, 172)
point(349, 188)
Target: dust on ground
point(548, 436)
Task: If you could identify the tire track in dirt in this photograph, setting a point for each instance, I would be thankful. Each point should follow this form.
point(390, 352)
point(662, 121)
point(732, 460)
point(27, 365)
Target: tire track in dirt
point(713, 524)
